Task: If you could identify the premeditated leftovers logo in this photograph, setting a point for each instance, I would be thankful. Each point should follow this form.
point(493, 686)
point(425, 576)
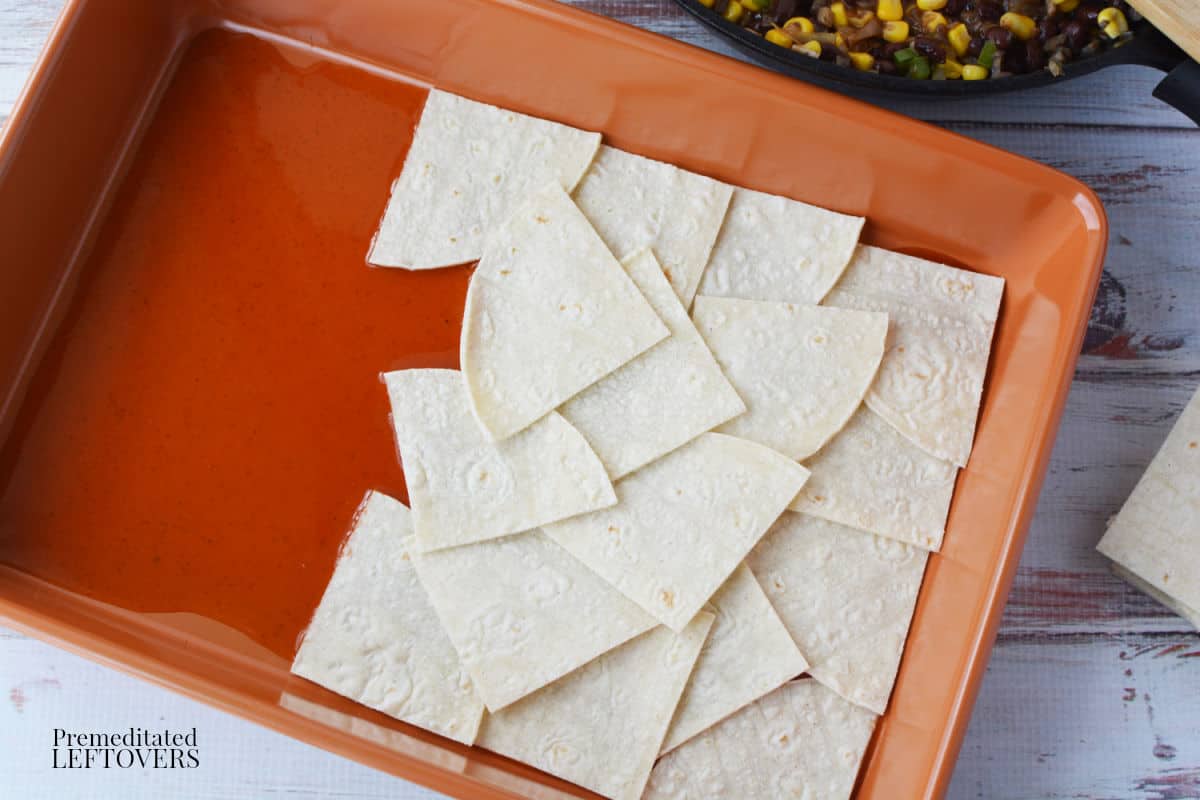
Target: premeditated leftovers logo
point(135, 748)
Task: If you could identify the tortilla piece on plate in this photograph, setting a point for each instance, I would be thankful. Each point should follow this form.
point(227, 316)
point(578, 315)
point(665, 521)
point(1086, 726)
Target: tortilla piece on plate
point(469, 166)
point(748, 653)
point(872, 478)
point(662, 399)
point(1192, 615)
point(931, 380)
point(466, 488)
point(683, 523)
point(601, 726)
point(1156, 535)
point(800, 741)
point(637, 202)
point(802, 370)
point(549, 312)
point(521, 612)
point(375, 639)
point(773, 248)
point(847, 598)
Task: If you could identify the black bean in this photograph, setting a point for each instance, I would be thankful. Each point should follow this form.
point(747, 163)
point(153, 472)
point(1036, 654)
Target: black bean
point(1001, 36)
point(1076, 35)
point(1087, 12)
point(1035, 58)
point(1048, 28)
point(886, 66)
point(954, 8)
point(931, 48)
point(784, 10)
point(990, 10)
point(975, 47)
point(1016, 60)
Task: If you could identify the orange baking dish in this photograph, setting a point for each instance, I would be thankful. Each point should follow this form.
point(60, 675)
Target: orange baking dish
point(190, 338)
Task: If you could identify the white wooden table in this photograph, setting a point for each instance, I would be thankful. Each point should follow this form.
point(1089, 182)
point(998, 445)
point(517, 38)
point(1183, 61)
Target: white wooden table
point(1093, 690)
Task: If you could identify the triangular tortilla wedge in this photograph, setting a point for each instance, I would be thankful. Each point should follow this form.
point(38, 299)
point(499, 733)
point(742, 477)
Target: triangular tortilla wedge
point(662, 399)
point(464, 487)
point(942, 320)
point(549, 312)
point(847, 597)
point(683, 523)
point(800, 741)
point(469, 166)
point(601, 726)
point(637, 202)
point(801, 369)
point(773, 248)
point(872, 478)
point(375, 638)
point(521, 612)
point(1156, 535)
point(748, 653)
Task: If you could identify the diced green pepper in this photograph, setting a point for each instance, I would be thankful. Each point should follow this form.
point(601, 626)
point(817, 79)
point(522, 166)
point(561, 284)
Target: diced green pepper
point(919, 68)
point(987, 54)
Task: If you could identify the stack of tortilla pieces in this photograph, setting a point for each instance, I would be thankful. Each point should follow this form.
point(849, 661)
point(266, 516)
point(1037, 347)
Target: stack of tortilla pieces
point(1154, 542)
point(701, 443)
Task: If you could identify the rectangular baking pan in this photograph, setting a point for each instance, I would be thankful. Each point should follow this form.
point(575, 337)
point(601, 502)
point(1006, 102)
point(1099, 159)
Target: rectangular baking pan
point(68, 147)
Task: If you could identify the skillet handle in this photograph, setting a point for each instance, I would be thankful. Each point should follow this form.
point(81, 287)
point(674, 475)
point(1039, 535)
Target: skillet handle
point(1181, 88)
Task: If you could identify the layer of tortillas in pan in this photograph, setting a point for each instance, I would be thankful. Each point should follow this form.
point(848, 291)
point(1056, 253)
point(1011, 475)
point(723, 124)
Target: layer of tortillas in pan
point(801, 369)
point(847, 597)
point(749, 653)
point(684, 522)
point(469, 165)
point(942, 319)
point(637, 202)
point(773, 248)
point(1156, 535)
point(464, 487)
point(872, 478)
point(550, 311)
point(376, 639)
point(662, 399)
point(801, 741)
point(601, 726)
point(521, 612)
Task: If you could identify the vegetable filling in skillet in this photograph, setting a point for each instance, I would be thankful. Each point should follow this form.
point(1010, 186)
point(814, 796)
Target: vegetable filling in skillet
point(938, 39)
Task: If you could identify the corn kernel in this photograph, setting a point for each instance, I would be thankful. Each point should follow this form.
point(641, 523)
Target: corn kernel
point(860, 19)
point(973, 72)
point(890, 10)
point(839, 42)
point(706, 3)
point(932, 21)
point(1112, 21)
point(755, 5)
point(862, 61)
point(733, 11)
point(931, 5)
point(960, 38)
point(953, 69)
point(801, 24)
point(812, 48)
point(895, 31)
point(776, 36)
point(1021, 26)
point(1066, 6)
point(839, 14)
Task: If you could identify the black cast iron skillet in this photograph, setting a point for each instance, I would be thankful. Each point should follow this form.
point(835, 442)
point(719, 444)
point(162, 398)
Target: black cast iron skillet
point(1148, 47)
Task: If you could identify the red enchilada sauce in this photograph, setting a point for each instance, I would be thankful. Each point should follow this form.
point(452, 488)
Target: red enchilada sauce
point(210, 413)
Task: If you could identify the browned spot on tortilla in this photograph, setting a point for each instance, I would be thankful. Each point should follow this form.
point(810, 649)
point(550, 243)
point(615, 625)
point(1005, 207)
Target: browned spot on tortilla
point(506, 272)
point(542, 220)
point(668, 599)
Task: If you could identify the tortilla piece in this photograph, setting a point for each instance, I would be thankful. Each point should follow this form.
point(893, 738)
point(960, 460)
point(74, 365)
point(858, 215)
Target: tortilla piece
point(601, 727)
point(800, 741)
point(748, 654)
point(1156, 535)
point(683, 523)
point(637, 202)
point(375, 639)
point(1192, 615)
point(773, 248)
point(469, 166)
point(549, 313)
point(660, 400)
point(872, 478)
point(802, 370)
point(466, 488)
point(521, 612)
point(931, 380)
point(846, 597)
